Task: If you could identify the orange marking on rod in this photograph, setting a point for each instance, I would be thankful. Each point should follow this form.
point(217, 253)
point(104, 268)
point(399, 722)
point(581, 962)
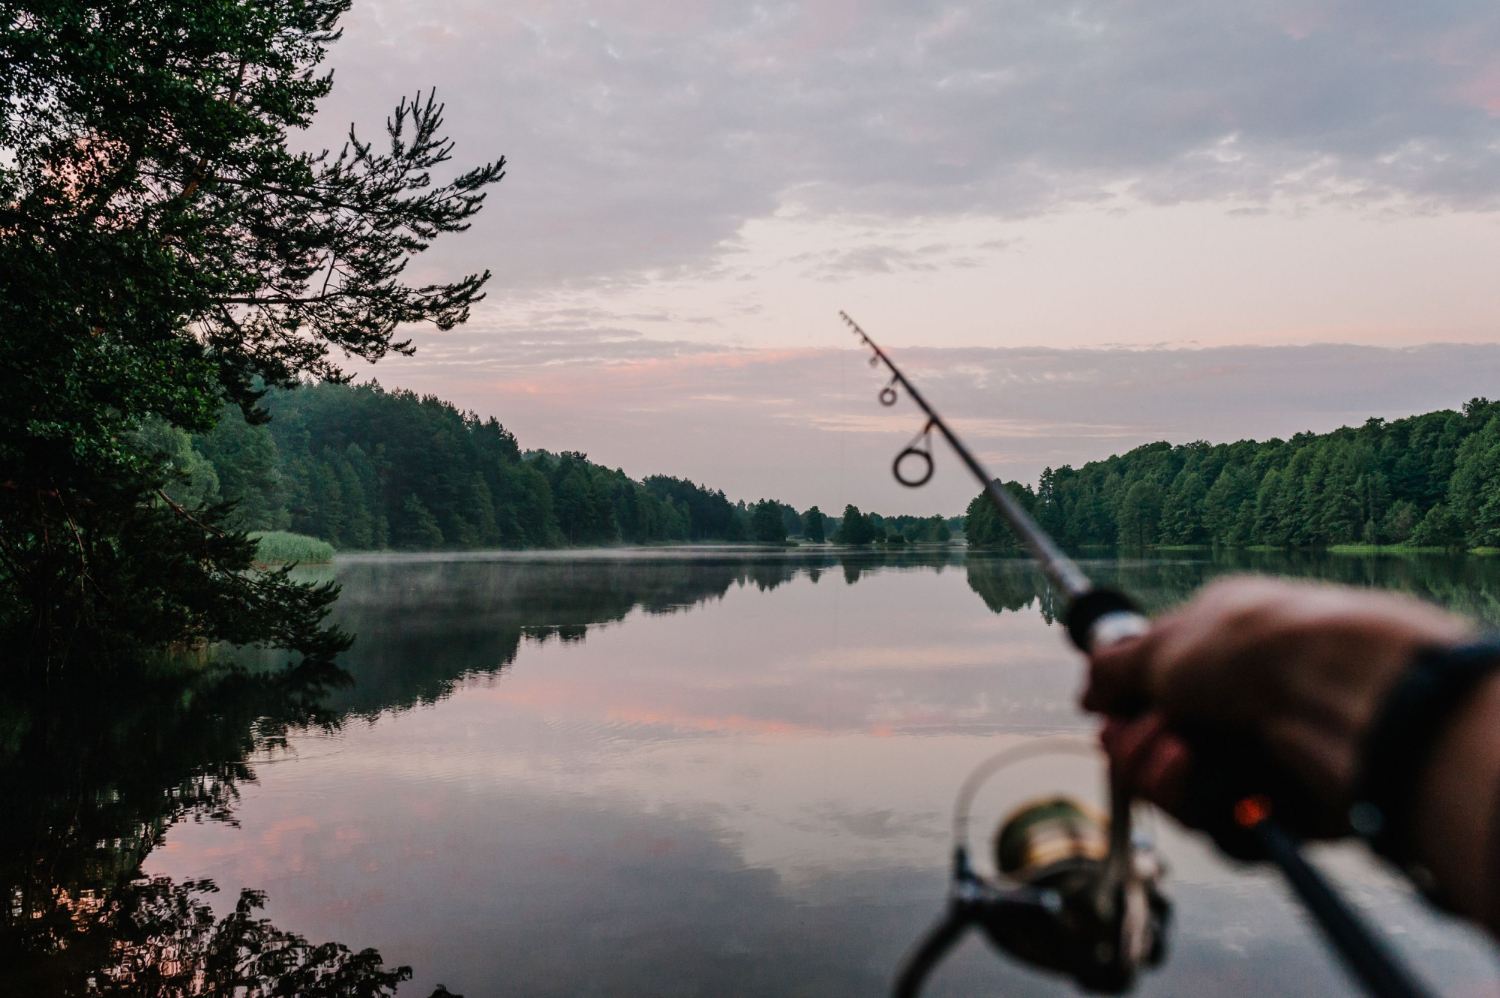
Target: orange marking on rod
point(1251, 811)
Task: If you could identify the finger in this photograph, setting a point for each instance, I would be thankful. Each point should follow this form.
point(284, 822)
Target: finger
point(1162, 775)
point(1117, 676)
point(1151, 761)
point(1127, 743)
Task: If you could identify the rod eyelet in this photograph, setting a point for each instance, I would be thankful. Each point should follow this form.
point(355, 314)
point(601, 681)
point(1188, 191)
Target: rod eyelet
point(918, 480)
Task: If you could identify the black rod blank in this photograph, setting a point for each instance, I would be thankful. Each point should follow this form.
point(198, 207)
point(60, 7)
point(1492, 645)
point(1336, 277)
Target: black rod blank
point(1060, 570)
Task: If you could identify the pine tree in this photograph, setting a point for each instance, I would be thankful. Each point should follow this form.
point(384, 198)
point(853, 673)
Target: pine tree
point(1231, 492)
point(163, 249)
point(359, 529)
point(481, 506)
point(1474, 492)
point(417, 529)
point(246, 461)
point(1183, 510)
point(1139, 516)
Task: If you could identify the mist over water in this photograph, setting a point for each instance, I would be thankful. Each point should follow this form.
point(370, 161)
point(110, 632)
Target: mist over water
point(702, 771)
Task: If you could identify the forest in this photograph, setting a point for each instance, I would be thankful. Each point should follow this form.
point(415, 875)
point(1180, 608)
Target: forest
point(367, 469)
point(1431, 480)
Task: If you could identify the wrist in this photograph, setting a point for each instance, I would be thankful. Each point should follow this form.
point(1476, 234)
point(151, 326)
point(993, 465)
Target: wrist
point(1413, 748)
point(1456, 835)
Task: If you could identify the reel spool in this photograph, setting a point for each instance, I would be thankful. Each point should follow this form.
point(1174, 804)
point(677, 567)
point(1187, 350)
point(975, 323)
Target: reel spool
point(1075, 893)
point(1047, 834)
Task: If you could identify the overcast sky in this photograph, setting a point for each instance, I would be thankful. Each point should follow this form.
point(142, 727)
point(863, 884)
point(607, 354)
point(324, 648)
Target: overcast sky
point(1085, 225)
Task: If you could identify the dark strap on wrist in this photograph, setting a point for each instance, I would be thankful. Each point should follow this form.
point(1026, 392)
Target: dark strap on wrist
point(1399, 744)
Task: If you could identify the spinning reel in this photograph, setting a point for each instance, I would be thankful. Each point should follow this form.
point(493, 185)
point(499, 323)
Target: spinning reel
point(1076, 893)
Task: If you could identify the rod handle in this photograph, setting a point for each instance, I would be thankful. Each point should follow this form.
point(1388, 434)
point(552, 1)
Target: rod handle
point(1101, 617)
point(1226, 770)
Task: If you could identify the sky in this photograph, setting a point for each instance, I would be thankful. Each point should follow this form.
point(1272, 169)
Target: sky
point(1083, 226)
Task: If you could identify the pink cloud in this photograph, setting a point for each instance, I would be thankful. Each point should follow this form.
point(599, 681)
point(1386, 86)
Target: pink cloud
point(1483, 89)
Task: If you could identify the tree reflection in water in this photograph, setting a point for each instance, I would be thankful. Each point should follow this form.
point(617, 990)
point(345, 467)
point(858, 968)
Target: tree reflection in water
point(1465, 584)
point(93, 774)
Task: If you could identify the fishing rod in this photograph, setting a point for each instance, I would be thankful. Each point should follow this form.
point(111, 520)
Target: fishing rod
point(1075, 899)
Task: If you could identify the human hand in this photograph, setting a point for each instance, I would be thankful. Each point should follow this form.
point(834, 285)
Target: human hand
point(1298, 669)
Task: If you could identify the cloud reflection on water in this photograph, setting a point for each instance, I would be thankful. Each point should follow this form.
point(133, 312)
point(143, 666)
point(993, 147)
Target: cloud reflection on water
point(737, 797)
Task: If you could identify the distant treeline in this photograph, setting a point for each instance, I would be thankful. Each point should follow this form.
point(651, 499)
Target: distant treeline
point(366, 468)
point(1431, 480)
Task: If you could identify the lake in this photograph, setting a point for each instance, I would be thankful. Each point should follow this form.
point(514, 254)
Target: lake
point(698, 771)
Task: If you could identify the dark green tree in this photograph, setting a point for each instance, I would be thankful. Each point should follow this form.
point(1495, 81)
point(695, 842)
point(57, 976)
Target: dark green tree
point(1228, 505)
point(191, 479)
point(1439, 529)
point(766, 524)
point(1474, 492)
point(1139, 515)
point(855, 528)
point(1049, 510)
point(245, 459)
point(983, 527)
point(1377, 482)
point(791, 520)
point(417, 529)
point(813, 526)
point(1399, 523)
point(1272, 522)
point(164, 248)
point(1182, 513)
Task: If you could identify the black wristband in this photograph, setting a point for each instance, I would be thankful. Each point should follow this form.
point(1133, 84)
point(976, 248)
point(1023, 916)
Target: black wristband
point(1400, 742)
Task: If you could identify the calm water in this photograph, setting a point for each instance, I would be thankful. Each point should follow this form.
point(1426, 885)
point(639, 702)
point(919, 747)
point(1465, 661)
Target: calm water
point(689, 773)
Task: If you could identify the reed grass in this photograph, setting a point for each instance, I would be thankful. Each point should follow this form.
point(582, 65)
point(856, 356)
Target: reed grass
point(278, 547)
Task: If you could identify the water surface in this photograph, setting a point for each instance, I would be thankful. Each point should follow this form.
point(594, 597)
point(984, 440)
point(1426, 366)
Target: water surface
point(694, 772)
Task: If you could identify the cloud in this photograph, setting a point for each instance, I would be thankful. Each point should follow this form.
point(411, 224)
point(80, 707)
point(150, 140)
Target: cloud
point(838, 264)
point(688, 180)
point(643, 136)
point(549, 340)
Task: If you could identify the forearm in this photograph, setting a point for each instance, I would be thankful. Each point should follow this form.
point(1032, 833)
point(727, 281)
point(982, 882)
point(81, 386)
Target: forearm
point(1458, 809)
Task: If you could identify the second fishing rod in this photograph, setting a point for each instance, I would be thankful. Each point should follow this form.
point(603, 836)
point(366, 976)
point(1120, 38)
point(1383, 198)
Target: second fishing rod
point(1239, 813)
